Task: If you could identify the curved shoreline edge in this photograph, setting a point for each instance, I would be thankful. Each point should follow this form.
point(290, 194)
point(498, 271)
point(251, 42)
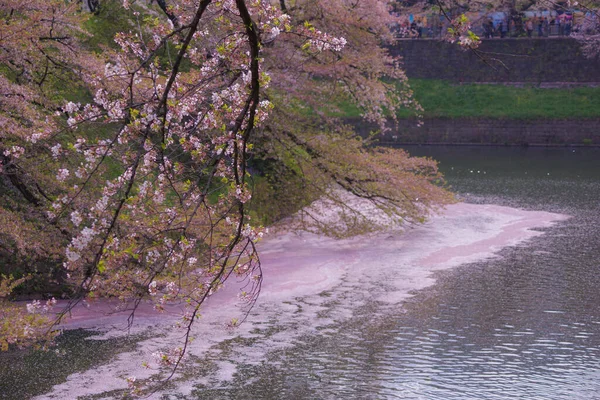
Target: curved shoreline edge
point(307, 274)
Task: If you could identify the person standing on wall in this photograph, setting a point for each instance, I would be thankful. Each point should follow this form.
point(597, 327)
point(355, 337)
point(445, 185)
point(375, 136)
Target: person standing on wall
point(529, 27)
point(561, 25)
point(488, 26)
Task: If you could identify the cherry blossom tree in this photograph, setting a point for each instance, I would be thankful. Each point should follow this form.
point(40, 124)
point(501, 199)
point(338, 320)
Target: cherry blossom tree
point(588, 32)
point(152, 179)
point(37, 45)
point(308, 87)
point(39, 50)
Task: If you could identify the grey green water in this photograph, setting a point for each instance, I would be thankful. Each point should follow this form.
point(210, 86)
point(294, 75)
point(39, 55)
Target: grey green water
point(523, 326)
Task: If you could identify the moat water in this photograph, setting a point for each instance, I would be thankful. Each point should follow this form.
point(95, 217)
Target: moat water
point(524, 324)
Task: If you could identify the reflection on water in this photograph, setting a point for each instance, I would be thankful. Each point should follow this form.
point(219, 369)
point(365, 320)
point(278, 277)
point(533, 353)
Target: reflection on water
point(525, 325)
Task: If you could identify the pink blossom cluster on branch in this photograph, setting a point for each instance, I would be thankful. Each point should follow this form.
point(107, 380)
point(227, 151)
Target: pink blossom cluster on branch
point(170, 219)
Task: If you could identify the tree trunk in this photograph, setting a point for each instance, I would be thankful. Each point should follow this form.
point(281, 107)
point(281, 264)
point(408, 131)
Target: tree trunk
point(91, 5)
point(12, 172)
point(163, 6)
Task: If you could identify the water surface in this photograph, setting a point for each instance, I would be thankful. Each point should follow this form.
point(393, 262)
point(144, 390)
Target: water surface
point(525, 325)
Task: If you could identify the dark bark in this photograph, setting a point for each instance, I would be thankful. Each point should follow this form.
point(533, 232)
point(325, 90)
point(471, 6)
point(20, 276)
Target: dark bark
point(282, 5)
point(92, 5)
point(15, 176)
point(163, 6)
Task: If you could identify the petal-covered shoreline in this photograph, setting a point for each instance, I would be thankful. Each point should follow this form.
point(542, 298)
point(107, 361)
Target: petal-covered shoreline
point(310, 282)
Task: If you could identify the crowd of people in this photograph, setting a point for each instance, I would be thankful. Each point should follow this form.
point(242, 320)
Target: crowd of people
point(496, 25)
point(540, 26)
point(420, 26)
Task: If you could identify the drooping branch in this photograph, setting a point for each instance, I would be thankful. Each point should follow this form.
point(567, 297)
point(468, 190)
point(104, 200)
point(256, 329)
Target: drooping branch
point(254, 43)
point(248, 113)
point(165, 8)
point(184, 47)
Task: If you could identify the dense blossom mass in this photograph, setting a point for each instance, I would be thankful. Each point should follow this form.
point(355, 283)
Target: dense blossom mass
point(152, 175)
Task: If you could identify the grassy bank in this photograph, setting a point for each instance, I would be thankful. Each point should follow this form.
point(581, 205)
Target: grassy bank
point(444, 99)
point(450, 100)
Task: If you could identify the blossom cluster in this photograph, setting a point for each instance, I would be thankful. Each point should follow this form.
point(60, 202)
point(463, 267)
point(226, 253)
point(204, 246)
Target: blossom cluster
point(321, 41)
point(36, 307)
point(460, 31)
point(168, 358)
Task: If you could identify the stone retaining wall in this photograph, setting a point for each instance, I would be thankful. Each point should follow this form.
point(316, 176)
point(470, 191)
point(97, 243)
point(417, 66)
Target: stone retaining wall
point(492, 132)
point(534, 61)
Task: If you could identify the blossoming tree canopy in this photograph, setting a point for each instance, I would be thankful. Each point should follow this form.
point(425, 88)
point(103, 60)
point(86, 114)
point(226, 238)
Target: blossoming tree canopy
point(39, 47)
point(182, 145)
point(150, 180)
